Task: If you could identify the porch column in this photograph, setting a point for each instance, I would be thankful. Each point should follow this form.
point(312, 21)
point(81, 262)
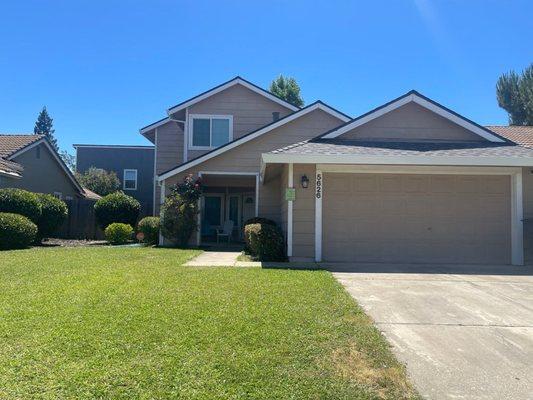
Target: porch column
point(318, 214)
point(290, 184)
point(256, 195)
point(161, 201)
point(517, 215)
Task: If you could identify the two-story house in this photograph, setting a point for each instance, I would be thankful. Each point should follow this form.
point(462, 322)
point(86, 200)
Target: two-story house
point(133, 165)
point(409, 181)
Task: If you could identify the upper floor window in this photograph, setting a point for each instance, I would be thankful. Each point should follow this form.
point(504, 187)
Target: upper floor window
point(130, 179)
point(209, 131)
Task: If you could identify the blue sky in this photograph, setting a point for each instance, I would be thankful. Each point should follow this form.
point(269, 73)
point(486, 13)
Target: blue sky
point(106, 68)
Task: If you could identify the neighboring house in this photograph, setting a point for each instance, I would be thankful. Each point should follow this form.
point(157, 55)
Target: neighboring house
point(134, 166)
point(408, 182)
point(29, 162)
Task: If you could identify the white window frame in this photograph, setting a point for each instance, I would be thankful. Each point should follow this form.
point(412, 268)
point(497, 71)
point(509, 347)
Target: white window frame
point(192, 117)
point(58, 195)
point(124, 179)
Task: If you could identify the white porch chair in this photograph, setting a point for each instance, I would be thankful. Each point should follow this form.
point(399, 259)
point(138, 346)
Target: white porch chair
point(226, 230)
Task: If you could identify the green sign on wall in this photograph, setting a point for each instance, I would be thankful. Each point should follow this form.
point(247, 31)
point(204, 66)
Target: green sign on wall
point(290, 194)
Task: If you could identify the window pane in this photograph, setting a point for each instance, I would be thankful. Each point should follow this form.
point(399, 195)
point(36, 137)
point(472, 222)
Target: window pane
point(129, 184)
point(200, 132)
point(220, 132)
point(129, 175)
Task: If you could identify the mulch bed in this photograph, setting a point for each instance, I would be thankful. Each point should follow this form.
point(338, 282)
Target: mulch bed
point(73, 243)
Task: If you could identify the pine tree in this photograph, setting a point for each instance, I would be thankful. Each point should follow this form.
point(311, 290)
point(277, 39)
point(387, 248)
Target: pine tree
point(288, 89)
point(515, 95)
point(44, 126)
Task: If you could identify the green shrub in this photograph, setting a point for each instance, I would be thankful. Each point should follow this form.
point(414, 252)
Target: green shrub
point(265, 242)
point(178, 219)
point(99, 181)
point(54, 213)
point(117, 207)
point(118, 233)
point(148, 228)
point(21, 202)
point(16, 231)
point(259, 220)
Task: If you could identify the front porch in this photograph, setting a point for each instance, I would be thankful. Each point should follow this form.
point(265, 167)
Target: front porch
point(226, 197)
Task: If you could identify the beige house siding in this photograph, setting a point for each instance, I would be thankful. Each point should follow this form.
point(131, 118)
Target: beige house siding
point(249, 109)
point(42, 175)
point(169, 152)
point(411, 122)
point(527, 188)
point(247, 157)
point(303, 238)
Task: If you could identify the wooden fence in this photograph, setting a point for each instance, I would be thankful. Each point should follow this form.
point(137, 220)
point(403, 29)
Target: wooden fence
point(81, 222)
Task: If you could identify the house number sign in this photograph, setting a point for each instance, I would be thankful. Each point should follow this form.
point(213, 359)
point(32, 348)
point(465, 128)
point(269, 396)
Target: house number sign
point(318, 185)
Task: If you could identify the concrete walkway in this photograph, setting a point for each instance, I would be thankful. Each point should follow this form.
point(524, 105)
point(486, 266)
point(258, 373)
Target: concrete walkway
point(215, 259)
point(462, 335)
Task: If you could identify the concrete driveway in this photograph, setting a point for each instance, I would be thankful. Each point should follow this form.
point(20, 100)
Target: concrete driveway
point(464, 332)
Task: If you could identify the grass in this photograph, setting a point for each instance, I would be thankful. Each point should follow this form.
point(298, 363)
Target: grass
point(133, 323)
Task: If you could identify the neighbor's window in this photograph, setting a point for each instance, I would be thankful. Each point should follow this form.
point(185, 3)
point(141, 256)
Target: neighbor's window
point(209, 131)
point(58, 195)
point(130, 179)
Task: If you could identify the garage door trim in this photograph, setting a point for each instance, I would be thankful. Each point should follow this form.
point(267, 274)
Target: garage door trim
point(517, 247)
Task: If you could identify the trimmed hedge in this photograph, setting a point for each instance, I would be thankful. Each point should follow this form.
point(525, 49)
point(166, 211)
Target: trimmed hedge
point(118, 233)
point(16, 231)
point(117, 207)
point(54, 213)
point(265, 242)
point(21, 202)
point(148, 228)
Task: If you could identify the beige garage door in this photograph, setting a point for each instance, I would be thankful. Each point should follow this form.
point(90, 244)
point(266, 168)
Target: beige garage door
point(416, 218)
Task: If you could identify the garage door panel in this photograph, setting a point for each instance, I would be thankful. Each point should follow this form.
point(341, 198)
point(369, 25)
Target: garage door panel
point(415, 218)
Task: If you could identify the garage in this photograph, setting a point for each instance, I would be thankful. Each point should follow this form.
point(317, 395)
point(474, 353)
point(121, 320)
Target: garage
point(416, 218)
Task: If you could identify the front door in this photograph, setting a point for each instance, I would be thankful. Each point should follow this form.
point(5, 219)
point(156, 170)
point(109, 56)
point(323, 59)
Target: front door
point(212, 214)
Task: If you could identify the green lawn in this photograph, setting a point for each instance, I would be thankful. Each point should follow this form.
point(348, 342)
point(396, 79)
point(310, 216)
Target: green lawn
point(133, 323)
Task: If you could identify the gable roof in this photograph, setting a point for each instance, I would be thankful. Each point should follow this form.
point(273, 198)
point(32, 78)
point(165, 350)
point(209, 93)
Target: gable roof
point(11, 143)
point(12, 146)
point(519, 134)
point(232, 82)
point(414, 96)
point(317, 105)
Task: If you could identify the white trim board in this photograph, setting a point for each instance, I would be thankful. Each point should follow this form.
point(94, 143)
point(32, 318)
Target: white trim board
point(224, 86)
point(414, 98)
point(112, 146)
point(290, 205)
point(157, 124)
point(253, 135)
point(56, 157)
point(356, 159)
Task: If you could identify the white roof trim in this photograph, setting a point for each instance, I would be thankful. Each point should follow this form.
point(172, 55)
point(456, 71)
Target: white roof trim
point(354, 159)
point(413, 97)
point(247, 138)
point(233, 82)
point(112, 146)
point(56, 156)
point(150, 127)
point(10, 174)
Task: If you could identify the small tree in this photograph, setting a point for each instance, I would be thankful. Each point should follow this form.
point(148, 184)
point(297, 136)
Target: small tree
point(68, 159)
point(287, 89)
point(44, 126)
point(515, 95)
point(179, 211)
point(99, 181)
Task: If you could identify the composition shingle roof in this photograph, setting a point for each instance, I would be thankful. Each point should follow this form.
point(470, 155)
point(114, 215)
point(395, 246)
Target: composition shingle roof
point(11, 143)
point(381, 148)
point(522, 135)
point(10, 167)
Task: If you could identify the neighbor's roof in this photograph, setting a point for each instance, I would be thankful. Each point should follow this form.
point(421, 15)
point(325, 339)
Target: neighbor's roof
point(11, 143)
point(10, 168)
point(522, 135)
point(89, 194)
